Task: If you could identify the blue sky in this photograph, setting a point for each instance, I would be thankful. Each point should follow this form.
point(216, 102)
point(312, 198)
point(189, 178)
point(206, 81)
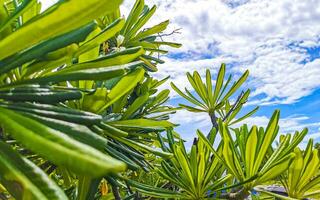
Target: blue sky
point(278, 41)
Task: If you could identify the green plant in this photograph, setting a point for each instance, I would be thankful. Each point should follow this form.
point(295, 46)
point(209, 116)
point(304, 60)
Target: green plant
point(302, 178)
point(216, 102)
point(195, 173)
point(66, 106)
point(248, 155)
point(81, 116)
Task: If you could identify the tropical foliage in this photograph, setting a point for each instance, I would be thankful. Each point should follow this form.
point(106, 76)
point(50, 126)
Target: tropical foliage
point(77, 103)
point(82, 117)
point(301, 180)
point(247, 154)
point(195, 173)
point(216, 102)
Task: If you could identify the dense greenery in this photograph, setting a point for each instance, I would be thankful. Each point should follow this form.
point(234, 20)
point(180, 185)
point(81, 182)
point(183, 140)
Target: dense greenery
point(81, 116)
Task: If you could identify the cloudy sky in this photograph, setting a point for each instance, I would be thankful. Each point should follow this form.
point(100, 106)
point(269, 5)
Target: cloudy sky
point(277, 40)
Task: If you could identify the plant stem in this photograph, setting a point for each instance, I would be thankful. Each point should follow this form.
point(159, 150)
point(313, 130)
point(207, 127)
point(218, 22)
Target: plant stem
point(214, 120)
point(239, 195)
point(116, 194)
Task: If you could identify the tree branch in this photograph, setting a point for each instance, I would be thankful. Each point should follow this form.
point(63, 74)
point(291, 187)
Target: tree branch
point(239, 195)
point(175, 31)
point(234, 106)
point(214, 120)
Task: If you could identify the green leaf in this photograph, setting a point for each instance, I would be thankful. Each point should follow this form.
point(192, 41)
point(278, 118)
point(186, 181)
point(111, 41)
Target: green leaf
point(31, 12)
point(236, 85)
point(133, 16)
point(245, 116)
point(209, 88)
point(250, 151)
point(112, 130)
point(294, 171)
point(202, 91)
point(296, 141)
point(39, 94)
point(23, 7)
point(133, 165)
point(201, 167)
point(161, 98)
point(57, 20)
point(149, 65)
point(142, 147)
point(142, 124)
point(153, 30)
point(185, 166)
point(24, 180)
point(224, 89)
point(3, 17)
point(140, 23)
point(221, 181)
point(140, 101)
point(310, 170)
point(56, 112)
point(262, 190)
point(171, 44)
point(103, 36)
point(267, 140)
point(312, 184)
point(157, 60)
point(175, 88)
point(278, 168)
point(153, 191)
point(219, 82)
point(158, 83)
point(191, 109)
point(81, 74)
point(196, 87)
point(156, 50)
point(195, 98)
point(90, 53)
point(45, 47)
point(210, 147)
point(77, 131)
point(230, 156)
point(93, 102)
point(126, 84)
point(117, 58)
point(57, 146)
point(84, 187)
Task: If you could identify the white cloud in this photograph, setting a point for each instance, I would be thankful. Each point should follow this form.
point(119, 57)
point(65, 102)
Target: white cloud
point(193, 121)
point(47, 3)
point(313, 136)
point(287, 125)
point(266, 36)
